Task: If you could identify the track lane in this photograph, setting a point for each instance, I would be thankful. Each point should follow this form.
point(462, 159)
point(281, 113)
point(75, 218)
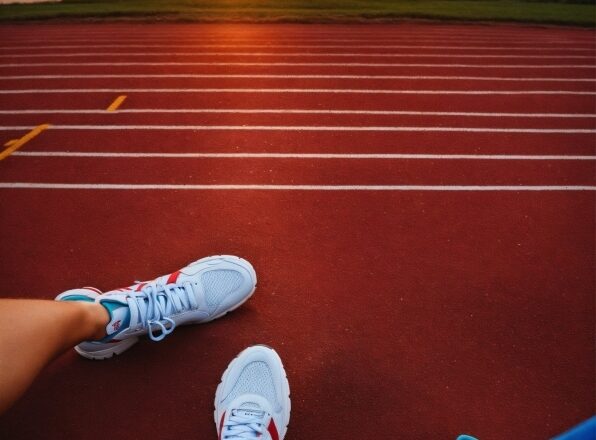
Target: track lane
point(215, 118)
point(277, 57)
point(309, 142)
point(25, 42)
point(308, 61)
point(435, 102)
point(239, 31)
point(298, 69)
point(216, 171)
point(321, 47)
point(391, 83)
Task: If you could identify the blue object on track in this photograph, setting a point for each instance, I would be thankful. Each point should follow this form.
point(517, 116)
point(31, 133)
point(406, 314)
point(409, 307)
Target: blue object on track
point(466, 437)
point(584, 431)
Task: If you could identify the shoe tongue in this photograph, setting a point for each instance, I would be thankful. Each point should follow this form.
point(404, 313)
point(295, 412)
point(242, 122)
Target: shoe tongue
point(249, 412)
point(119, 315)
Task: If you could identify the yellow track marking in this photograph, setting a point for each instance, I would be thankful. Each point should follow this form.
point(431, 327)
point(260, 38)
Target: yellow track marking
point(117, 102)
point(18, 143)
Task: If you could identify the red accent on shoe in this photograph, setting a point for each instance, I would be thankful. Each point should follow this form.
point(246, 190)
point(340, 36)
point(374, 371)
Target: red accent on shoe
point(223, 416)
point(273, 431)
point(173, 277)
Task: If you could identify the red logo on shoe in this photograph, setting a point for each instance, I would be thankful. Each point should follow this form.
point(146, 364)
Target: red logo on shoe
point(116, 325)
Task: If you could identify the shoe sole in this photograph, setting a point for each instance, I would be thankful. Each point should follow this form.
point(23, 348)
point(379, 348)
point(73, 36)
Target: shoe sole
point(107, 353)
point(121, 347)
point(285, 391)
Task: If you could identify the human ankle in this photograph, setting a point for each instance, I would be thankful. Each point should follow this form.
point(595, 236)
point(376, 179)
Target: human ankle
point(98, 318)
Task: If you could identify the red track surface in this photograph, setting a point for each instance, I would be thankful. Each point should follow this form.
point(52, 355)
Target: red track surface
point(418, 315)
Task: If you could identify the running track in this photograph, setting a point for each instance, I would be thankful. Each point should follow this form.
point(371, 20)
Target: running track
point(418, 201)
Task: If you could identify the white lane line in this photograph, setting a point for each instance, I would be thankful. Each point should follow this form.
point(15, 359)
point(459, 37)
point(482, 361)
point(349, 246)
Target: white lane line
point(281, 76)
point(372, 30)
point(536, 42)
point(297, 111)
point(307, 128)
point(106, 186)
point(270, 64)
point(343, 43)
point(286, 54)
point(303, 46)
point(350, 156)
point(309, 91)
point(353, 31)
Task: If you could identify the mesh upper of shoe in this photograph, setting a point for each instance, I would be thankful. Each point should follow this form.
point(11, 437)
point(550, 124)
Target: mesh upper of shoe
point(219, 283)
point(255, 378)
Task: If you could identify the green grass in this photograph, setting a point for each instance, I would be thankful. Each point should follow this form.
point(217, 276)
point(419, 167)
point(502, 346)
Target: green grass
point(578, 12)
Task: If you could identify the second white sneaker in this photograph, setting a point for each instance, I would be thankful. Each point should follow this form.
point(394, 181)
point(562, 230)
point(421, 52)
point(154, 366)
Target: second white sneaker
point(253, 398)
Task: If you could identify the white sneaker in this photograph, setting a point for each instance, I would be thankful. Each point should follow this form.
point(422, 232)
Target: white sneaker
point(253, 398)
point(200, 292)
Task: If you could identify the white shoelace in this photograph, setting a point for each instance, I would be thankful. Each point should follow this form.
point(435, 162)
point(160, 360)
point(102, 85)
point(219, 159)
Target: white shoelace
point(155, 302)
point(241, 426)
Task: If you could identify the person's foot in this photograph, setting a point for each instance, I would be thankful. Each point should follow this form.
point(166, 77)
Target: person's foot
point(200, 292)
point(253, 398)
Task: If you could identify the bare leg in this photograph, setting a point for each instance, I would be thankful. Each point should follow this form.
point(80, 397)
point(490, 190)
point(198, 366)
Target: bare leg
point(37, 332)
